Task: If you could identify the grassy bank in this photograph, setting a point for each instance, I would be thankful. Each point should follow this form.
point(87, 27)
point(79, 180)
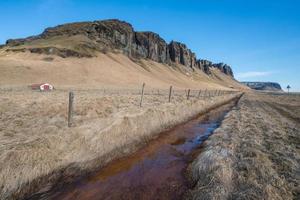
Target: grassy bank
point(254, 154)
point(38, 150)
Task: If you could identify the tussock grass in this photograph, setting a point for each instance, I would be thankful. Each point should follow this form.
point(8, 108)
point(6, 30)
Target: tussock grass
point(38, 150)
point(254, 154)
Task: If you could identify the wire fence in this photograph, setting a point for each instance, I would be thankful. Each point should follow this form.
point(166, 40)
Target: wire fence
point(192, 93)
point(143, 92)
point(80, 100)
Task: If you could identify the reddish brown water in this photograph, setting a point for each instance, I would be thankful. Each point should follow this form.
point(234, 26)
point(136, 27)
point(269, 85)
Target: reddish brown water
point(153, 172)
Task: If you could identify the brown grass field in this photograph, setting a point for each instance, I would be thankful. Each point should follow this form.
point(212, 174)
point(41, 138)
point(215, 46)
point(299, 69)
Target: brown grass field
point(37, 149)
point(255, 154)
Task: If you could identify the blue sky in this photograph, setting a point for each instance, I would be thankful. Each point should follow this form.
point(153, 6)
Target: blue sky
point(259, 39)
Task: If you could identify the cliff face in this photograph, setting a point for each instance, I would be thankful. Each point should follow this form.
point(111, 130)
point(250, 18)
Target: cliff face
point(180, 54)
point(224, 68)
point(151, 45)
point(271, 86)
point(116, 34)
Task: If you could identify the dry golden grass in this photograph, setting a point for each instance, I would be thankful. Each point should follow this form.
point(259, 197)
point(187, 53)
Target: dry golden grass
point(106, 70)
point(37, 149)
point(254, 154)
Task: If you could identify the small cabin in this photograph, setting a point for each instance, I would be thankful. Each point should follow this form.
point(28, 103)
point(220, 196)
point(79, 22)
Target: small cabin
point(42, 87)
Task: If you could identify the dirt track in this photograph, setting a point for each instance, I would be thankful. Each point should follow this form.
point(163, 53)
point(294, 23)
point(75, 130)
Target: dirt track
point(254, 154)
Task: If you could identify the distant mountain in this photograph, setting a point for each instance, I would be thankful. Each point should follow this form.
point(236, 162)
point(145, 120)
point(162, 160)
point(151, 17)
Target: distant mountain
point(270, 86)
point(85, 39)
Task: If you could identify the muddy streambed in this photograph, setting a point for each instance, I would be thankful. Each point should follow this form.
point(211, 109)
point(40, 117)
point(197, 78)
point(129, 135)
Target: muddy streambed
point(156, 171)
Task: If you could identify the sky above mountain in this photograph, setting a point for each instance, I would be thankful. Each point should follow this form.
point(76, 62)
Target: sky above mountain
point(259, 39)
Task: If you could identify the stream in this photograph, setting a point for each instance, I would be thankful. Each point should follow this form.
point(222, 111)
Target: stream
point(156, 171)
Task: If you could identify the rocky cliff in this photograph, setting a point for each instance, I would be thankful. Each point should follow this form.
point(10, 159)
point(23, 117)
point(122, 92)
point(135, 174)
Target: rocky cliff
point(113, 34)
point(270, 86)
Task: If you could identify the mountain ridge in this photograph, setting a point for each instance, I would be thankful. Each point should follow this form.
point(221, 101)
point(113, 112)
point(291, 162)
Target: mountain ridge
point(110, 35)
point(257, 85)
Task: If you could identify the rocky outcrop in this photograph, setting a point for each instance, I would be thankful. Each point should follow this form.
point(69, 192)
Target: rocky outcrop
point(62, 52)
point(270, 86)
point(151, 45)
point(226, 69)
point(116, 34)
point(180, 54)
point(112, 34)
point(204, 65)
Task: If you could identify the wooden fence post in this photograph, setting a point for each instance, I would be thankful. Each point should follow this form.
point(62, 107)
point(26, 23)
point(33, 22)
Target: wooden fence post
point(70, 113)
point(142, 96)
point(170, 93)
point(199, 94)
point(188, 94)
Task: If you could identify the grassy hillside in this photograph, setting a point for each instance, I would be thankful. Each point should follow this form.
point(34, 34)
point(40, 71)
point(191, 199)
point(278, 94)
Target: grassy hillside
point(20, 69)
